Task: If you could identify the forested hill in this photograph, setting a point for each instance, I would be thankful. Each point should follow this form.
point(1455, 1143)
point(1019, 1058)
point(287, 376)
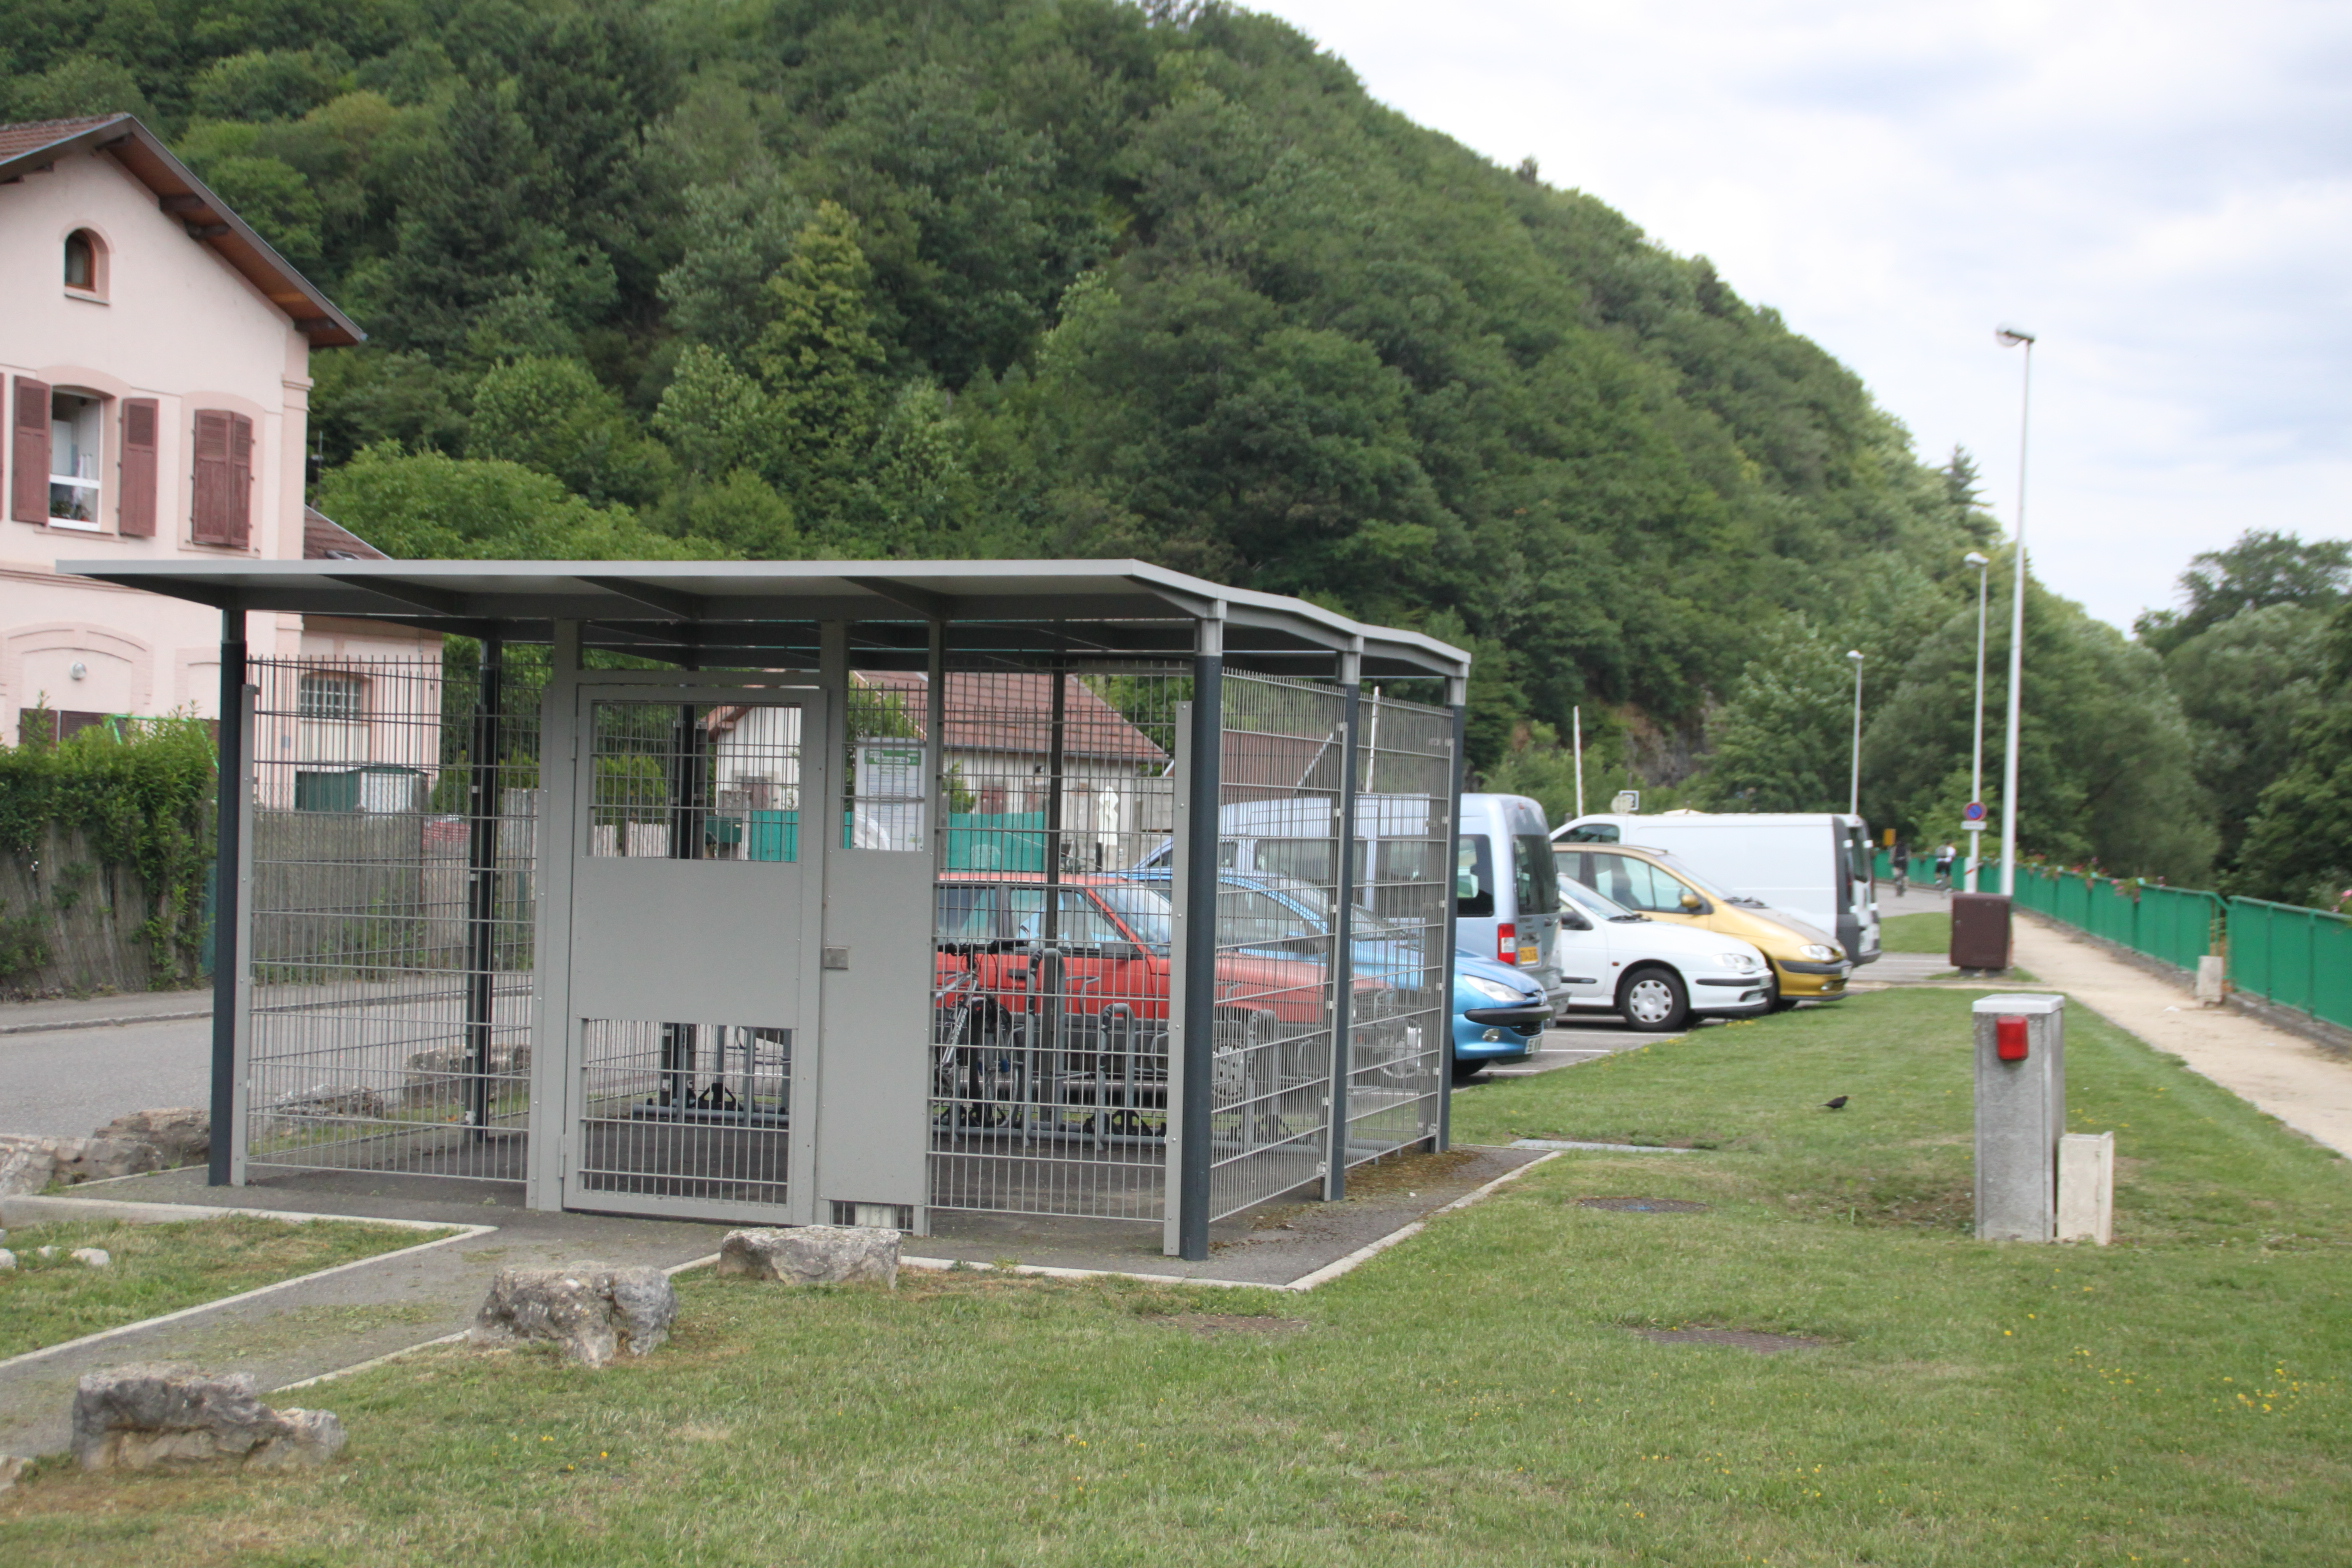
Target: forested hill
point(880, 277)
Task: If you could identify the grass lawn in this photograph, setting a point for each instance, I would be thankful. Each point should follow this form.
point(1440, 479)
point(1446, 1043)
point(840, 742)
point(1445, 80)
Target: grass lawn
point(1478, 1395)
point(162, 1268)
point(1928, 933)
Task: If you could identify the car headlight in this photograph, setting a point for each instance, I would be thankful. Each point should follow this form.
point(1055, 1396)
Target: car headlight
point(1493, 990)
point(1818, 953)
point(1737, 963)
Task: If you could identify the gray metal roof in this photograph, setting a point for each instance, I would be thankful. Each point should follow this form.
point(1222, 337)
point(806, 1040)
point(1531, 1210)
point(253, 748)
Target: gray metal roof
point(704, 609)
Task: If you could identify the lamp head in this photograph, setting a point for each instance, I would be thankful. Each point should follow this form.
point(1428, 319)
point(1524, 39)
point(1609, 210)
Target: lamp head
point(1975, 560)
point(1854, 655)
point(2010, 337)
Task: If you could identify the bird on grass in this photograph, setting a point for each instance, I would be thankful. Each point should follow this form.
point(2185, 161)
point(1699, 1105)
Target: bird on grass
point(1837, 1104)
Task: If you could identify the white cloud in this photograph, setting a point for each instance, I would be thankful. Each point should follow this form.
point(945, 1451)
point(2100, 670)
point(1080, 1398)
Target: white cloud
point(2161, 189)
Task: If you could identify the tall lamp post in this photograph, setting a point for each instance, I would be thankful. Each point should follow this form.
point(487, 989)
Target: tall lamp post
point(1976, 730)
point(2013, 337)
point(1854, 792)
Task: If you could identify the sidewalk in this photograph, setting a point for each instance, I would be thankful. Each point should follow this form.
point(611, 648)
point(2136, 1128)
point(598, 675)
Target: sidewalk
point(100, 1012)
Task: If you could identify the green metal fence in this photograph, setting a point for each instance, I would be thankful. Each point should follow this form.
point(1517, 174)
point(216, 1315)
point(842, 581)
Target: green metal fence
point(2283, 953)
point(2295, 957)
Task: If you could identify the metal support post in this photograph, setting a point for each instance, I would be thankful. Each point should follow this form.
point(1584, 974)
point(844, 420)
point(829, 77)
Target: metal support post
point(1199, 980)
point(482, 884)
point(228, 957)
point(1457, 698)
point(1343, 926)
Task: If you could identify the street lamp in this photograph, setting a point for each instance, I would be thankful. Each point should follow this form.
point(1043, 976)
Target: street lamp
point(1976, 730)
point(1854, 794)
point(2012, 337)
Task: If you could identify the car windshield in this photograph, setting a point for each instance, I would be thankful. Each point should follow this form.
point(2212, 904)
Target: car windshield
point(1143, 910)
point(1592, 903)
point(1249, 918)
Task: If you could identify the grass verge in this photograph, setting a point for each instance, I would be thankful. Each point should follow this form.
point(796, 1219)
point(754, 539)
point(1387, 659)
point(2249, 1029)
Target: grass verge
point(1927, 933)
point(162, 1268)
point(1479, 1394)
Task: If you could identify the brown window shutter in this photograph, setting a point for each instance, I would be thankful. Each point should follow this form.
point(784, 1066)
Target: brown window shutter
point(240, 481)
point(137, 516)
point(209, 511)
point(29, 452)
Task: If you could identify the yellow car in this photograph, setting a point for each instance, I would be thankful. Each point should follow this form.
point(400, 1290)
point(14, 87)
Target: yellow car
point(1808, 965)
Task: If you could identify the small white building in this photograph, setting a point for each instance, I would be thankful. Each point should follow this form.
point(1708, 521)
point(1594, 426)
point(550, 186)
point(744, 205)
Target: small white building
point(156, 359)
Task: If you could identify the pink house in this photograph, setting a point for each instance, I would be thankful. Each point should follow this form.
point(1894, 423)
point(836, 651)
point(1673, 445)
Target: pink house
point(156, 356)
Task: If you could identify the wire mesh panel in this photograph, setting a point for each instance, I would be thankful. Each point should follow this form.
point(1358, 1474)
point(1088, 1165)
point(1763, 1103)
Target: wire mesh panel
point(1404, 773)
point(695, 781)
point(682, 1110)
point(394, 843)
point(1282, 753)
point(1053, 930)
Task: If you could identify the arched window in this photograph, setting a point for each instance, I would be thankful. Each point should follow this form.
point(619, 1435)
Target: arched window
point(85, 262)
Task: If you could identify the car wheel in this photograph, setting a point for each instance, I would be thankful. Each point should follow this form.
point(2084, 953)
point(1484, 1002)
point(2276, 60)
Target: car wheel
point(1774, 1002)
point(1466, 1069)
point(1653, 1000)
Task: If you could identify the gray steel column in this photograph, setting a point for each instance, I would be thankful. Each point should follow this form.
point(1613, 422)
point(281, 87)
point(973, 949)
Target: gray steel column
point(1343, 927)
point(228, 960)
point(482, 882)
point(1199, 980)
point(1457, 698)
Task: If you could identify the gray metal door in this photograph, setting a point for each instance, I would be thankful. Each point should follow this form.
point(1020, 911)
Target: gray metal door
point(697, 844)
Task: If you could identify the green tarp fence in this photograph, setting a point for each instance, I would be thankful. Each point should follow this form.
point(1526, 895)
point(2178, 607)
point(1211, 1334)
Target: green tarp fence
point(2283, 953)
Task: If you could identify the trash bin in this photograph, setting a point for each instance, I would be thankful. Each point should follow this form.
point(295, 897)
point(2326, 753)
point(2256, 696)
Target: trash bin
point(1980, 931)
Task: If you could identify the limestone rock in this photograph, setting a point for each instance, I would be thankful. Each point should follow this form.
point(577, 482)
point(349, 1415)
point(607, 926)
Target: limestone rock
point(148, 1414)
point(593, 1311)
point(7, 1260)
point(92, 1257)
point(179, 1134)
point(813, 1254)
point(28, 1164)
point(12, 1469)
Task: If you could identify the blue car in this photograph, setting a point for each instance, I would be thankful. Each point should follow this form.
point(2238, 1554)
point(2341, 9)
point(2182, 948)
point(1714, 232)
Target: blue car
point(1499, 1015)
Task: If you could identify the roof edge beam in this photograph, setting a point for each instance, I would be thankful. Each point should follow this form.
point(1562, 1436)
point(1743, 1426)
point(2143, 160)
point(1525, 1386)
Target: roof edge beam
point(931, 606)
point(669, 602)
point(431, 600)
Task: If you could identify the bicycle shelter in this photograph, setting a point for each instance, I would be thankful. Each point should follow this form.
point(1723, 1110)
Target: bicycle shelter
point(831, 892)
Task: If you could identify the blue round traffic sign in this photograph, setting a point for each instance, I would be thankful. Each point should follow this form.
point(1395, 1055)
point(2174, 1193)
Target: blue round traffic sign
point(1974, 811)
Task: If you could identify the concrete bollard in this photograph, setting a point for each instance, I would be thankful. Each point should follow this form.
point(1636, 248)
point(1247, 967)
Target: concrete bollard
point(2212, 980)
point(2086, 1187)
point(2020, 1115)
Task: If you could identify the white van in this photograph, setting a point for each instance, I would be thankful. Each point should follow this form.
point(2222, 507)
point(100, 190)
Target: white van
point(1813, 865)
point(1293, 838)
point(1507, 890)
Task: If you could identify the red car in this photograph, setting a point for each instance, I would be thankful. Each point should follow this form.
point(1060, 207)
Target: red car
point(1052, 1020)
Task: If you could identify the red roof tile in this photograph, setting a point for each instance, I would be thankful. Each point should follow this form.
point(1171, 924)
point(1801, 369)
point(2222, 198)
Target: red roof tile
point(31, 135)
point(324, 539)
point(1012, 711)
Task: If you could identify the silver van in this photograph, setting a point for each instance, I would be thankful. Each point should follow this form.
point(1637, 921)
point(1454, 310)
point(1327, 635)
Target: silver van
point(1506, 889)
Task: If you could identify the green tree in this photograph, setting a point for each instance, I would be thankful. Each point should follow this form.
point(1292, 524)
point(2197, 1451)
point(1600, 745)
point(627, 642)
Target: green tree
point(2298, 848)
point(424, 506)
point(553, 415)
point(2103, 758)
point(2262, 568)
point(77, 85)
point(2245, 686)
point(1784, 742)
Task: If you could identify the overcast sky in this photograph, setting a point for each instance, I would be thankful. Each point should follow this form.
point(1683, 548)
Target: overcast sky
point(2161, 190)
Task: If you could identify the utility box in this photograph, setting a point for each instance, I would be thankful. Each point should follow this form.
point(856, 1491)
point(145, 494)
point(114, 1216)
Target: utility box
point(2020, 1115)
point(1980, 931)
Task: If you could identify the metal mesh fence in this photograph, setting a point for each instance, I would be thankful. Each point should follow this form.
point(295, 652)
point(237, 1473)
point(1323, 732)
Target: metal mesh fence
point(685, 1110)
point(394, 838)
point(1404, 771)
point(1281, 760)
point(1049, 1086)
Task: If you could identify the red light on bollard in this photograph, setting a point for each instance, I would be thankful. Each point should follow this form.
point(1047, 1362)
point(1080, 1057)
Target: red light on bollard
point(2009, 1039)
